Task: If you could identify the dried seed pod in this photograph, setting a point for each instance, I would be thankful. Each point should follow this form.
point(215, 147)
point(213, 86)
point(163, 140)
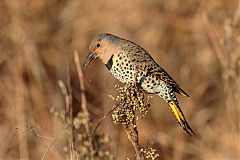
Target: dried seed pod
point(133, 100)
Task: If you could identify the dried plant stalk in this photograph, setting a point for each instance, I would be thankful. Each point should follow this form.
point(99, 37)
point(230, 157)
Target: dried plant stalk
point(82, 89)
point(20, 109)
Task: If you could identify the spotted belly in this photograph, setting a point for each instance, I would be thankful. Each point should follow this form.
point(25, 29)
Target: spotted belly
point(149, 84)
point(123, 70)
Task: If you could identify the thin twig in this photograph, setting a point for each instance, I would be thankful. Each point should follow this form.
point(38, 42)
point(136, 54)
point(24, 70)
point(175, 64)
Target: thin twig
point(69, 113)
point(102, 119)
point(30, 129)
point(134, 142)
point(135, 137)
point(66, 96)
point(83, 99)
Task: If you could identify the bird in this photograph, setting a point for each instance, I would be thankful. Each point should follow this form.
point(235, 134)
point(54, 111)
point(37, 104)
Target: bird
point(123, 57)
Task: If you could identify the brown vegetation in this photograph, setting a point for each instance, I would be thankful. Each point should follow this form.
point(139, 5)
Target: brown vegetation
point(196, 41)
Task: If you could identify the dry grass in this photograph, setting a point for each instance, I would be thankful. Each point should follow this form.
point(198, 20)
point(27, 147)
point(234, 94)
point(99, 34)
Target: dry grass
point(196, 41)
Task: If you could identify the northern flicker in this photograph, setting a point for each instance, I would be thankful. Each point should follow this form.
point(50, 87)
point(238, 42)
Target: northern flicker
point(122, 57)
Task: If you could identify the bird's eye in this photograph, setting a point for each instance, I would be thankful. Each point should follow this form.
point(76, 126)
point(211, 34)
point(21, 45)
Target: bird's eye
point(98, 45)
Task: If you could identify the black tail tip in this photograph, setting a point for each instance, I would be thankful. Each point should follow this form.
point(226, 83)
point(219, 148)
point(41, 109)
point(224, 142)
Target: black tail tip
point(188, 129)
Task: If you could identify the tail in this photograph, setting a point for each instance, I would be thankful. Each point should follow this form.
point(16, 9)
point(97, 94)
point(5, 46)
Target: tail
point(176, 110)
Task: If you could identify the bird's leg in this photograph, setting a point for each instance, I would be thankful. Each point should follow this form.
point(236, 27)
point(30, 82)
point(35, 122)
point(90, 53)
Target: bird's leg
point(135, 75)
point(136, 71)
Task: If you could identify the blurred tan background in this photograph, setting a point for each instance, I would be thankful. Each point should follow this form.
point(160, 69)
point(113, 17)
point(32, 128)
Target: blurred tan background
point(196, 41)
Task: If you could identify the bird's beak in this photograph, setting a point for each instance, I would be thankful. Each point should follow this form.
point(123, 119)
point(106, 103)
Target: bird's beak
point(88, 59)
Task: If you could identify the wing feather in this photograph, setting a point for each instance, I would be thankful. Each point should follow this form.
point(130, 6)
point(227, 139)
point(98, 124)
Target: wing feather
point(146, 63)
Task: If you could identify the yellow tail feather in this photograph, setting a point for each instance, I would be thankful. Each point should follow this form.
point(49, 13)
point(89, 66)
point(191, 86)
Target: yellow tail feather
point(180, 117)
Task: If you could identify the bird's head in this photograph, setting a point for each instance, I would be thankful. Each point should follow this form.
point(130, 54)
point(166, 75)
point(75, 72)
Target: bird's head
point(103, 46)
